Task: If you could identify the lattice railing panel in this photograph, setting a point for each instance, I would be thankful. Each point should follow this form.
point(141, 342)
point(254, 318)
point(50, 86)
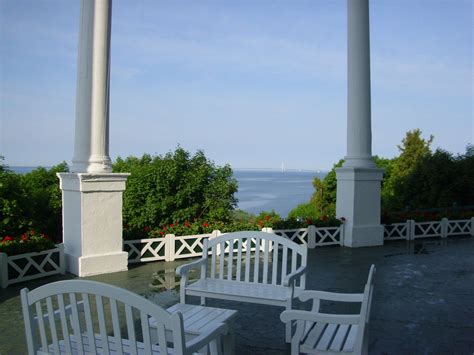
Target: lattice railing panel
point(29, 266)
point(459, 227)
point(299, 236)
point(396, 231)
point(427, 229)
point(327, 236)
point(144, 250)
point(189, 246)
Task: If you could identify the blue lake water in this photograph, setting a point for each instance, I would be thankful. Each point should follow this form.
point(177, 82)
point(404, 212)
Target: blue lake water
point(262, 190)
point(273, 190)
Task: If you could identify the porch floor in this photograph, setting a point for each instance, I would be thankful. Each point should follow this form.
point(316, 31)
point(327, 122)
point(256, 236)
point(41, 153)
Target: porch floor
point(423, 300)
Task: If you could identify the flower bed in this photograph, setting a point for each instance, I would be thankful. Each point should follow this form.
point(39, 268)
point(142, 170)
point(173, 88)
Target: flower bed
point(29, 256)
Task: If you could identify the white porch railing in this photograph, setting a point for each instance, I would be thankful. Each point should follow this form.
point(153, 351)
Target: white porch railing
point(29, 266)
point(444, 228)
point(172, 247)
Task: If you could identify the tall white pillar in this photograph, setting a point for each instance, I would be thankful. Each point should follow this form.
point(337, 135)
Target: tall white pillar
point(358, 181)
point(92, 195)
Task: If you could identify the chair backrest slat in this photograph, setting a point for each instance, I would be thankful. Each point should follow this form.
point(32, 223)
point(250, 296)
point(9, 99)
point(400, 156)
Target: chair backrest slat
point(116, 326)
point(101, 318)
point(275, 264)
point(75, 322)
point(230, 260)
point(239, 260)
point(52, 324)
point(266, 252)
point(247, 259)
point(131, 329)
point(213, 261)
point(64, 327)
point(256, 262)
point(42, 329)
point(88, 319)
point(284, 264)
point(221, 260)
point(146, 332)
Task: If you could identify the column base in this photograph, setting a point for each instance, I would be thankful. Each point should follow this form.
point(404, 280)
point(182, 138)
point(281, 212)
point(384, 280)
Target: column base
point(363, 236)
point(358, 201)
point(96, 264)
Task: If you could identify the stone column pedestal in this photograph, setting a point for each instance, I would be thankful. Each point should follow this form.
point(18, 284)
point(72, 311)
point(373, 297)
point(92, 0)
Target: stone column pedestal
point(358, 201)
point(92, 222)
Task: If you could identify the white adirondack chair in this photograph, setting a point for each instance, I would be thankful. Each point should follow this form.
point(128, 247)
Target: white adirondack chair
point(323, 333)
point(83, 317)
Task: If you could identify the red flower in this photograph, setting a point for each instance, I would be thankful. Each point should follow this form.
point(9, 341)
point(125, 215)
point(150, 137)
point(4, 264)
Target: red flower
point(32, 232)
point(146, 228)
point(205, 224)
point(23, 237)
point(171, 225)
point(8, 239)
point(162, 233)
point(44, 236)
point(186, 224)
point(267, 218)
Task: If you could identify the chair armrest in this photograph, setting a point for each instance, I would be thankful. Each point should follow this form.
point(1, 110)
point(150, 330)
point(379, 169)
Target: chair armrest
point(184, 269)
point(295, 315)
point(290, 278)
point(203, 339)
point(331, 296)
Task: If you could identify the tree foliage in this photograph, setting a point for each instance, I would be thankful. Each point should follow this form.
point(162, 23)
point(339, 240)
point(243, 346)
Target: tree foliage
point(31, 201)
point(176, 187)
point(416, 179)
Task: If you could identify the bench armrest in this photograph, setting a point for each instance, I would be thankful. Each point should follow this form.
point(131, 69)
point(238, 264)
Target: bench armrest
point(290, 278)
point(203, 339)
point(184, 269)
point(296, 315)
point(330, 296)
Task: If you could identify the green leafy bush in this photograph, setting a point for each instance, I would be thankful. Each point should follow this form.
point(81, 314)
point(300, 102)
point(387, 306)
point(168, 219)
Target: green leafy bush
point(31, 201)
point(31, 241)
point(174, 188)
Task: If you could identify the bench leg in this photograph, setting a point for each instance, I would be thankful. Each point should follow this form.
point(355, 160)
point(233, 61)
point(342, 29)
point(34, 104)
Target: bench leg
point(203, 301)
point(229, 341)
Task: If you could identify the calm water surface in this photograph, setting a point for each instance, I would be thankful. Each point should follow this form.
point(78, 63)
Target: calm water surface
point(273, 190)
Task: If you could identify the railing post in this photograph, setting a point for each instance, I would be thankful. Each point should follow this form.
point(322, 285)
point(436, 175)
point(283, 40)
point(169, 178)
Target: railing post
point(169, 247)
point(3, 270)
point(311, 236)
point(444, 227)
point(411, 229)
point(342, 234)
point(62, 259)
point(472, 226)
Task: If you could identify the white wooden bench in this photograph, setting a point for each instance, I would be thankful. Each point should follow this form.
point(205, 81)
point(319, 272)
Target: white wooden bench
point(248, 266)
point(323, 333)
point(83, 317)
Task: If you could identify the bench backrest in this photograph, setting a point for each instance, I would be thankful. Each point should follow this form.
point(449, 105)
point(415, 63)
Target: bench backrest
point(72, 314)
point(254, 257)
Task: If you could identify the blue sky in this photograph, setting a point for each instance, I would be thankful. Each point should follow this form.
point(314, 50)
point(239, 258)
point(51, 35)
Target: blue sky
point(252, 83)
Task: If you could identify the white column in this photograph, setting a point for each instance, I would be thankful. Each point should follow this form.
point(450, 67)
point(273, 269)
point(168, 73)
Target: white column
point(91, 150)
point(92, 195)
point(359, 131)
point(358, 181)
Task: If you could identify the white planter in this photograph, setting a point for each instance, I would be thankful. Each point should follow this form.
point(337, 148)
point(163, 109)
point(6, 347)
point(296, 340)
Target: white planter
point(29, 266)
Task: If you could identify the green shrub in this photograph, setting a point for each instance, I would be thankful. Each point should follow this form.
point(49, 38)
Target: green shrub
point(175, 188)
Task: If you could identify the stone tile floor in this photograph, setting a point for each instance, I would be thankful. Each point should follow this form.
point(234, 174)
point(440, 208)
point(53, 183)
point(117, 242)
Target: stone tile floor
point(423, 301)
